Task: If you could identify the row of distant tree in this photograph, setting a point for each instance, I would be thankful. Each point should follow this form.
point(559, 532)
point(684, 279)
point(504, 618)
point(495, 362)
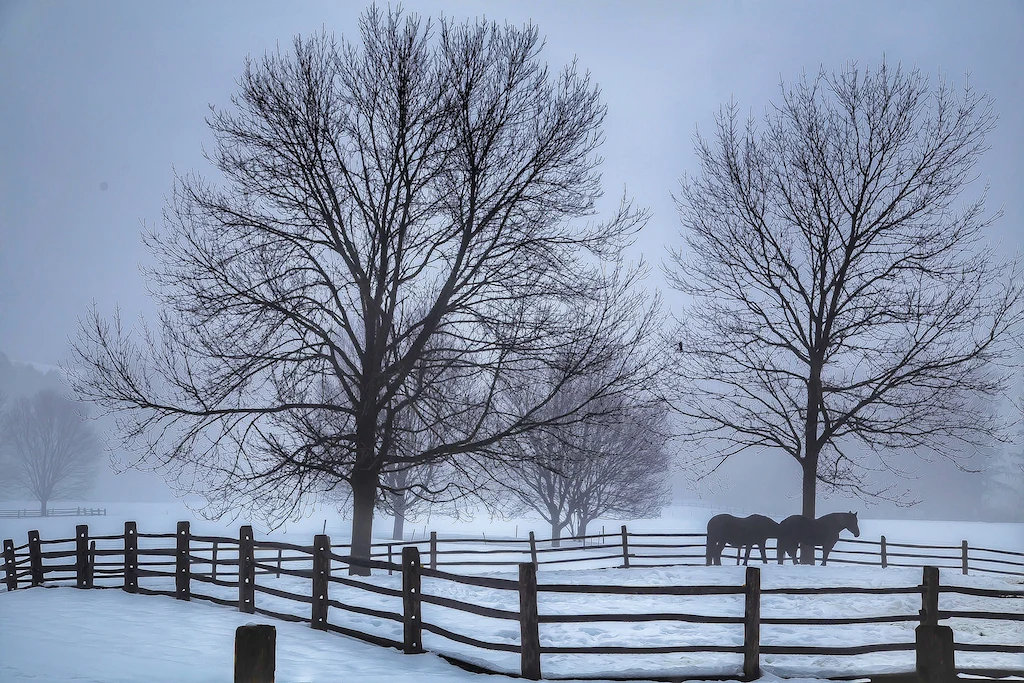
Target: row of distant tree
point(395, 285)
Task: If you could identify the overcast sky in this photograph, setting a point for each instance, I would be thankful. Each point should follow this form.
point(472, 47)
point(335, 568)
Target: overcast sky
point(101, 101)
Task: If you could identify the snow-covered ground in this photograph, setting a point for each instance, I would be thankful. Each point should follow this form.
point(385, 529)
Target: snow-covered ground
point(105, 635)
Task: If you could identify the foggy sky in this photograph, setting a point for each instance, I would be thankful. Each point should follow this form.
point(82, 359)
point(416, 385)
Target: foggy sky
point(100, 102)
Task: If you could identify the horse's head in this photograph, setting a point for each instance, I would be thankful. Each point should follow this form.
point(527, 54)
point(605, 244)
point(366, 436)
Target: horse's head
point(851, 523)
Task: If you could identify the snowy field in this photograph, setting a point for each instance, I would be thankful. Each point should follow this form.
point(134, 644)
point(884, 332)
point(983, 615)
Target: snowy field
point(64, 634)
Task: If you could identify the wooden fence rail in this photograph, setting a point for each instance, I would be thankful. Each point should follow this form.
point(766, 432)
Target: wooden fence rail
point(195, 558)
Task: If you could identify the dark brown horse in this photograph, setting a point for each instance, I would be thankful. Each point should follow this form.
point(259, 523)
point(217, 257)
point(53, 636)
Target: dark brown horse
point(797, 530)
point(739, 532)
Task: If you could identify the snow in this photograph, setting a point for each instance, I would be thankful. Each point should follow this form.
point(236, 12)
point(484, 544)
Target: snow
point(64, 634)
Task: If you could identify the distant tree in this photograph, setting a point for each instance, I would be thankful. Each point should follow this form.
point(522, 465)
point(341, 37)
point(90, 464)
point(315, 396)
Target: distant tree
point(422, 202)
point(612, 464)
point(51, 452)
point(843, 309)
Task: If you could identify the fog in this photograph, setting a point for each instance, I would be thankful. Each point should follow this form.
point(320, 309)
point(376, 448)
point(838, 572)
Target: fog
point(103, 101)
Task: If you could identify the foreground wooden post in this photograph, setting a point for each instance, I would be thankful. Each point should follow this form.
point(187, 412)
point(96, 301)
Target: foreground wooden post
point(35, 555)
point(752, 624)
point(412, 621)
point(935, 654)
point(10, 569)
point(625, 547)
point(930, 597)
point(131, 558)
point(255, 653)
point(321, 570)
point(529, 622)
point(246, 571)
point(433, 550)
point(963, 557)
point(82, 556)
point(182, 573)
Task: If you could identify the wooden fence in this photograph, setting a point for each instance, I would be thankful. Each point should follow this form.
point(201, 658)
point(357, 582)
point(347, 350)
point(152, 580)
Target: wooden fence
point(56, 512)
point(236, 563)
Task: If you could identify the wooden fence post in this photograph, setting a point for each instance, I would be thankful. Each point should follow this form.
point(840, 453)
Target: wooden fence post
point(278, 576)
point(529, 622)
point(885, 559)
point(433, 550)
point(321, 570)
point(131, 558)
point(213, 562)
point(10, 569)
point(625, 547)
point(411, 616)
point(246, 571)
point(963, 557)
point(35, 554)
point(255, 653)
point(92, 563)
point(391, 561)
point(182, 571)
point(930, 597)
point(533, 549)
point(82, 555)
point(752, 624)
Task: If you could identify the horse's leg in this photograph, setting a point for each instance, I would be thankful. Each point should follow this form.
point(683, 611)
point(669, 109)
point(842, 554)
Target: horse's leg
point(825, 550)
point(764, 553)
point(746, 555)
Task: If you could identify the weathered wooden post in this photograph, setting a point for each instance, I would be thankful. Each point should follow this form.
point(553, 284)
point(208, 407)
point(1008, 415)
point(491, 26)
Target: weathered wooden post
point(533, 549)
point(10, 568)
point(412, 621)
point(213, 562)
point(885, 559)
point(390, 561)
point(131, 558)
point(934, 643)
point(529, 622)
point(963, 557)
point(82, 555)
point(433, 550)
point(182, 572)
point(278, 576)
point(625, 547)
point(930, 596)
point(255, 653)
point(752, 624)
point(91, 576)
point(321, 572)
point(35, 555)
point(246, 571)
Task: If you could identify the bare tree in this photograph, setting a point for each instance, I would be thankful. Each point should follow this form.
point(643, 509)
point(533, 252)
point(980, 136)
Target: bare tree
point(52, 452)
point(611, 463)
point(412, 204)
point(842, 308)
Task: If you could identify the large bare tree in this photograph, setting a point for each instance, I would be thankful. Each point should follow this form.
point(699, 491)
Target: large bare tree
point(420, 203)
point(52, 453)
point(843, 305)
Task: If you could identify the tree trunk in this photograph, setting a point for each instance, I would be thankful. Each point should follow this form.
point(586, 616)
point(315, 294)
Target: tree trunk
point(364, 495)
point(556, 535)
point(583, 527)
point(398, 505)
point(42, 507)
point(811, 449)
